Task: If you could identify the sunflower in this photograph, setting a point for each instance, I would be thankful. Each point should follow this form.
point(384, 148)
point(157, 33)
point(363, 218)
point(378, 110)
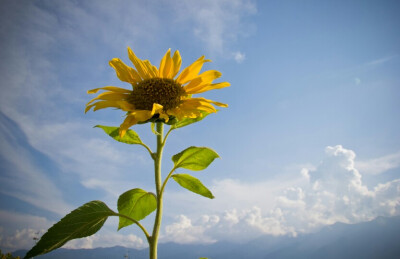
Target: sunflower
point(158, 94)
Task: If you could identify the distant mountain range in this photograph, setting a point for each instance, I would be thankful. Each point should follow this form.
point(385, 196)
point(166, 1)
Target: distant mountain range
point(379, 238)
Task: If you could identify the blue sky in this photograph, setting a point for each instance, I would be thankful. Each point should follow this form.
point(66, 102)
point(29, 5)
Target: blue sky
point(310, 138)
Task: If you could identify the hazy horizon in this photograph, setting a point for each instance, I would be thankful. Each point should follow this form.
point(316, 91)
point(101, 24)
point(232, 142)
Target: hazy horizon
point(310, 138)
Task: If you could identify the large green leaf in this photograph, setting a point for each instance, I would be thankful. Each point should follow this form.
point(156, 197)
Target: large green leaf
point(192, 184)
point(82, 222)
point(130, 137)
point(195, 158)
point(137, 204)
point(187, 121)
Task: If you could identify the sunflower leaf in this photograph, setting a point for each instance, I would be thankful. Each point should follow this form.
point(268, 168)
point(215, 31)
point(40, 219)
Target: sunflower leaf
point(82, 222)
point(194, 158)
point(187, 121)
point(137, 204)
point(192, 184)
point(130, 137)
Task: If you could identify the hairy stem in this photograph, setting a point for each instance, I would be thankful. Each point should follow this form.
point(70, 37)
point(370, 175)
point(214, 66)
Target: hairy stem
point(157, 170)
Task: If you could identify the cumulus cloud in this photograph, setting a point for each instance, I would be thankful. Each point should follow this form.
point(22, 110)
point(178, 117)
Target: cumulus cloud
point(231, 194)
point(18, 230)
point(233, 225)
point(22, 238)
point(23, 228)
point(107, 239)
point(333, 192)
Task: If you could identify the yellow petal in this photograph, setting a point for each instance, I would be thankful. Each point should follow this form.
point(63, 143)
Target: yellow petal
point(157, 108)
point(101, 105)
point(203, 79)
point(152, 70)
point(144, 115)
point(210, 75)
point(184, 111)
point(139, 65)
point(195, 105)
point(191, 71)
point(109, 88)
point(126, 106)
point(163, 115)
point(138, 116)
point(213, 102)
point(124, 72)
point(109, 96)
point(129, 121)
point(177, 61)
point(207, 87)
point(165, 65)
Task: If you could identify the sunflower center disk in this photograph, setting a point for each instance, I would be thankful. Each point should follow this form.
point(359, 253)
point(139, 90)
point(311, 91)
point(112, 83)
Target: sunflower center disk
point(163, 91)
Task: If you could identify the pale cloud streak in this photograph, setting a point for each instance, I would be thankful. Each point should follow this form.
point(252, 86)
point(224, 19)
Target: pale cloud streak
point(22, 178)
point(216, 23)
point(380, 61)
point(379, 165)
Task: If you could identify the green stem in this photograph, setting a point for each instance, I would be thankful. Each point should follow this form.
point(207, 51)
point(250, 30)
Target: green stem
point(148, 149)
point(166, 179)
point(157, 170)
point(137, 223)
point(166, 135)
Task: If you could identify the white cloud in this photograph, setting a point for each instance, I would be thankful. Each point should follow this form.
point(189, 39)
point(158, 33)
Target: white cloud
point(233, 225)
point(230, 194)
point(333, 192)
point(184, 232)
point(239, 56)
point(23, 221)
point(107, 239)
point(24, 179)
point(216, 22)
point(38, 99)
point(379, 165)
point(22, 238)
point(357, 80)
point(26, 227)
point(380, 61)
point(18, 230)
point(100, 163)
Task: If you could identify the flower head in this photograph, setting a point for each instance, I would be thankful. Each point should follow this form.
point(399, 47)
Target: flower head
point(158, 94)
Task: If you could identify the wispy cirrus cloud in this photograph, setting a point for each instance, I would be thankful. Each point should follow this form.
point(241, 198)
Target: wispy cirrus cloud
point(21, 176)
point(379, 165)
point(217, 23)
point(380, 61)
